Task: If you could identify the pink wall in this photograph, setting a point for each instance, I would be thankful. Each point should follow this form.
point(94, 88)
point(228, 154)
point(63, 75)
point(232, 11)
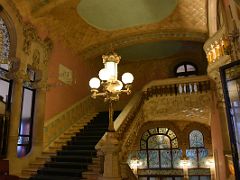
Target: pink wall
point(61, 97)
point(217, 144)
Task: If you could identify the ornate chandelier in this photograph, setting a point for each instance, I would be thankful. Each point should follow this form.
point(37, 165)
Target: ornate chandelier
point(108, 85)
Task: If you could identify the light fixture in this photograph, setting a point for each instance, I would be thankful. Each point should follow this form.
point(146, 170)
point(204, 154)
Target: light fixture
point(135, 163)
point(108, 85)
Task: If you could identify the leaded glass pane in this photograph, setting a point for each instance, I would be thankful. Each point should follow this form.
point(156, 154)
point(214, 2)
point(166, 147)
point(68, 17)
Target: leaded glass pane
point(143, 144)
point(205, 178)
point(153, 159)
point(202, 154)
point(181, 69)
point(145, 135)
point(158, 142)
point(166, 159)
point(174, 143)
point(196, 139)
point(190, 68)
point(192, 156)
point(142, 155)
point(5, 43)
point(143, 178)
point(171, 134)
point(176, 154)
point(153, 131)
point(193, 178)
point(162, 130)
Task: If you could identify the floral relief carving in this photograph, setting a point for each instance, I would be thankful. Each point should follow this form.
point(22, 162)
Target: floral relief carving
point(190, 107)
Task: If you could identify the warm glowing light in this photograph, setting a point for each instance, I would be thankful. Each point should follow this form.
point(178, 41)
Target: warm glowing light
point(104, 74)
point(127, 78)
point(184, 163)
point(119, 85)
point(94, 83)
point(112, 70)
point(210, 162)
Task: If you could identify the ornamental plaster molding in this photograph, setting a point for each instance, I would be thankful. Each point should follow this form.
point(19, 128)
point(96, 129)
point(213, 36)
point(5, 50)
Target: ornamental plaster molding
point(98, 49)
point(12, 5)
point(30, 36)
point(63, 23)
point(192, 107)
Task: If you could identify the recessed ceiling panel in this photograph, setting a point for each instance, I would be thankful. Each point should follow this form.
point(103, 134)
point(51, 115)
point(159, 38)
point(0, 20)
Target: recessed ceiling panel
point(119, 14)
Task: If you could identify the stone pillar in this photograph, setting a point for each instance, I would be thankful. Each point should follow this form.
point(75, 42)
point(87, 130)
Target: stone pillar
point(38, 124)
point(14, 126)
point(110, 147)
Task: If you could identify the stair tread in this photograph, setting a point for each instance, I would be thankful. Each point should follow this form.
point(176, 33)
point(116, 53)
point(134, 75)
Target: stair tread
point(77, 152)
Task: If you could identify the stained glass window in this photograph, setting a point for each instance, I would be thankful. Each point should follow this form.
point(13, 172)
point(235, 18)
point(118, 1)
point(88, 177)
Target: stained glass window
point(196, 139)
point(197, 154)
point(161, 147)
point(153, 159)
point(158, 142)
point(4, 44)
point(166, 159)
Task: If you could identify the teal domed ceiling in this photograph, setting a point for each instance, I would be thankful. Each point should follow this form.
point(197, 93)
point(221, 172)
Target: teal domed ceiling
point(120, 14)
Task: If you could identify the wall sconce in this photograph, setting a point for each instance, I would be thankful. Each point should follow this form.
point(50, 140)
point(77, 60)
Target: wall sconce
point(135, 163)
point(185, 163)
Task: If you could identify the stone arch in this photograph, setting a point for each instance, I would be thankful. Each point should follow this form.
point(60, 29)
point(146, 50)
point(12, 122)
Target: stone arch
point(11, 30)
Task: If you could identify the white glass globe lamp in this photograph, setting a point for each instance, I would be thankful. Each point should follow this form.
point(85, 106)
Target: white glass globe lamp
point(94, 83)
point(104, 74)
point(127, 78)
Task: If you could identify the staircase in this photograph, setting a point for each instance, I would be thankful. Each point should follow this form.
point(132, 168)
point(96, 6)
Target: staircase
point(75, 158)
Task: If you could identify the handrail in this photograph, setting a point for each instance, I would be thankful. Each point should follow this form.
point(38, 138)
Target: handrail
point(127, 109)
point(217, 46)
point(180, 80)
point(177, 86)
point(55, 126)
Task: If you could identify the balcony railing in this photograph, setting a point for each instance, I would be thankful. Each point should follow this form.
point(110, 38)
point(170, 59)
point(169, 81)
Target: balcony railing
point(177, 86)
point(217, 46)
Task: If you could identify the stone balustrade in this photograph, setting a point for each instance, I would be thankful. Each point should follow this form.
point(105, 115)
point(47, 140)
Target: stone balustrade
point(177, 86)
point(217, 46)
point(55, 126)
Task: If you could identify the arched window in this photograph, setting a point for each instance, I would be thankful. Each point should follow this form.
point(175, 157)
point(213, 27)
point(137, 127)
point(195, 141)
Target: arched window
point(27, 114)
point(185, 69)
point(159, 149)
point(197, 151)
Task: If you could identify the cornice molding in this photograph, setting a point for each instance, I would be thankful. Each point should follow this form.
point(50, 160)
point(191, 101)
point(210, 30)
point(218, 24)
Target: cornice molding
point(98, 49)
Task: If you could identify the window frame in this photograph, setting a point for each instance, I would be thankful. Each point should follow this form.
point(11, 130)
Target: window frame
point(171, 149)
point(185, 73)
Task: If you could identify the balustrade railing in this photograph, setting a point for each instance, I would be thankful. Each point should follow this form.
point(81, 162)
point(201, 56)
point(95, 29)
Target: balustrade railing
point(177, 86)
point(217, 46)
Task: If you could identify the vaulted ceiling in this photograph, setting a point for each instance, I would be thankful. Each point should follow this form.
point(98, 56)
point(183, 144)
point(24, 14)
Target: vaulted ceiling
point(132, 27)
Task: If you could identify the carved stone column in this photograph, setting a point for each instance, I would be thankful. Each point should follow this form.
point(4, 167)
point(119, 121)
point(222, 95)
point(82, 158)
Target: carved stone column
point(14, 124)
point(110, 148)
point(38, 124)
